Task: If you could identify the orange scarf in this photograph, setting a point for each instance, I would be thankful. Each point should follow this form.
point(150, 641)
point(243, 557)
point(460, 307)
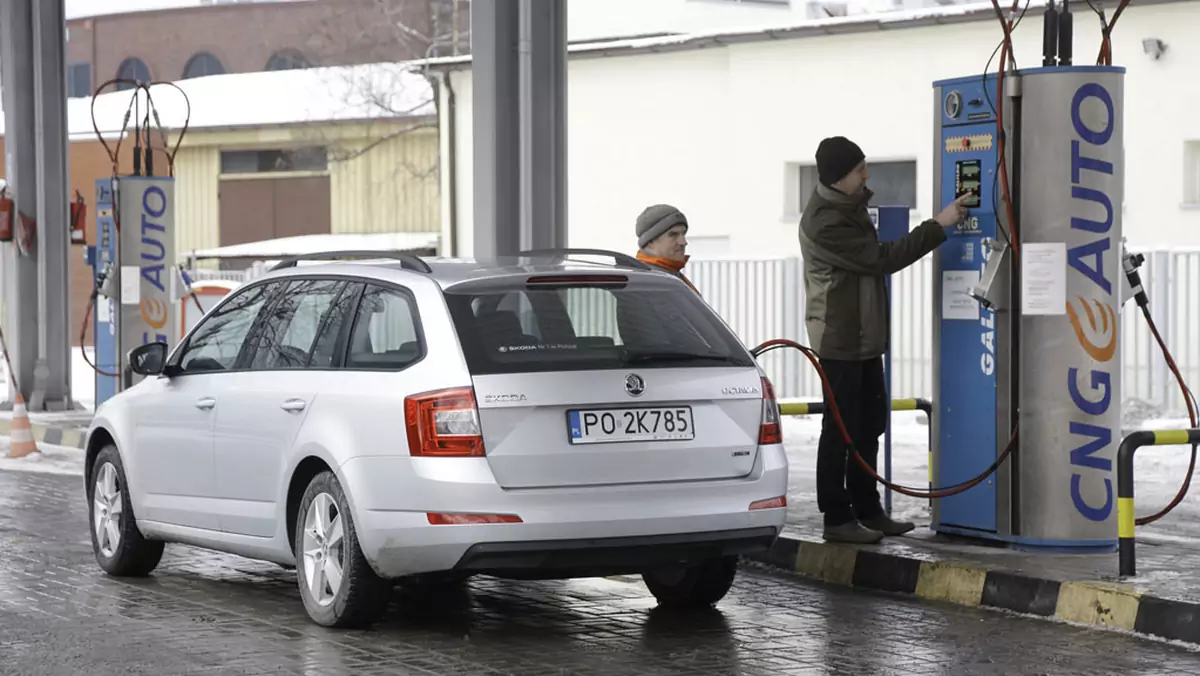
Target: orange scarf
point(669, 265)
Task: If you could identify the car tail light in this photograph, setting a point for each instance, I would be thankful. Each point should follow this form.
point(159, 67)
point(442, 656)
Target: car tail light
point(773, 503)
point(771, 430)
point(444, 423)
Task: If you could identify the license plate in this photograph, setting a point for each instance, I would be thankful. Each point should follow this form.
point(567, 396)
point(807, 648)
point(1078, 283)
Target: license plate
point(606, 426)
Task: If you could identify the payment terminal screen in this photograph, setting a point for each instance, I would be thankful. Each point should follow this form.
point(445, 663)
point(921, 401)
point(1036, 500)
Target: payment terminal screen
point(967, 177)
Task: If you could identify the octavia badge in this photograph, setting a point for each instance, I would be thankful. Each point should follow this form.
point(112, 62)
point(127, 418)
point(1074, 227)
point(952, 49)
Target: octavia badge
point(634, 385)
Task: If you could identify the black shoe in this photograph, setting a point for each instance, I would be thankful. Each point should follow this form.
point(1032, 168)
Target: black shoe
point(884, 524)
point(852, 532)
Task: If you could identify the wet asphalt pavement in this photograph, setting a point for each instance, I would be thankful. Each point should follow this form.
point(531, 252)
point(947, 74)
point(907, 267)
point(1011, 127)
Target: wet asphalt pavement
point(206, 613)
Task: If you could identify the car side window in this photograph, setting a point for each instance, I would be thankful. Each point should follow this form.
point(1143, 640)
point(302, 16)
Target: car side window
point(385, 333)
point(217, 341)
point(325, 352)
point(286, 335)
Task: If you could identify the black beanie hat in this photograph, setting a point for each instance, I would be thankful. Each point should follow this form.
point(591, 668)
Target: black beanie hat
point(836, 157)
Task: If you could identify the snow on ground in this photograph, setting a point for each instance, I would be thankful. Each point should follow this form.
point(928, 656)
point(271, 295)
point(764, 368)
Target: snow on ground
point(910, 463)
point(50, 460)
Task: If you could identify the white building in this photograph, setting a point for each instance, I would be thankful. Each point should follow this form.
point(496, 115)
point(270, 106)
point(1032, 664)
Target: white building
point(602, 19)
point(725, 125)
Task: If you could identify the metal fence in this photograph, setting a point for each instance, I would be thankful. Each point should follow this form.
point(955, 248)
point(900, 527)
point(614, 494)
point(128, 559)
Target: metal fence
point(764, 298)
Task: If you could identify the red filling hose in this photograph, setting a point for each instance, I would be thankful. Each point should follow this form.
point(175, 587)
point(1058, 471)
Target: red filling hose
point(927, 494)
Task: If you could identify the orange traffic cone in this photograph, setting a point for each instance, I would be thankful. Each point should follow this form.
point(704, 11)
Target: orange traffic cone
point(21, 441)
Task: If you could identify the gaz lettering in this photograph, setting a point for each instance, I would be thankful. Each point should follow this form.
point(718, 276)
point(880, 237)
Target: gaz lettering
point(987, 321)
point(152, 261)
point(1093, 319)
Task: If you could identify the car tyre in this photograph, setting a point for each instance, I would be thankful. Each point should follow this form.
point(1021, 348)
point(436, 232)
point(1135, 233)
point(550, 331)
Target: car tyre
point(697, 586)
point(117, 543)
point(338, 586)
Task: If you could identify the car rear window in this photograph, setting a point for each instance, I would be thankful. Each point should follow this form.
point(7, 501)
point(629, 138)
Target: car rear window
point(572, 326)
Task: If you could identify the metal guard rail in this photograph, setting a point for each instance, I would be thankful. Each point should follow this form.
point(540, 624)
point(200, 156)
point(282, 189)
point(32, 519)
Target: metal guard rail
point(918, 404)
point(1125, 518)
point(818, 407)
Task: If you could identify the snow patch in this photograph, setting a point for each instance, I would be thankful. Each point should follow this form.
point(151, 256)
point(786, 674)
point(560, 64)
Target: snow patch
point(51, 460)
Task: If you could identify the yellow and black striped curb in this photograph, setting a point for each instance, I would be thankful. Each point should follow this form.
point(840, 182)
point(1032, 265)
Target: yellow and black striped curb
point(1097, 603)
point(55, 435)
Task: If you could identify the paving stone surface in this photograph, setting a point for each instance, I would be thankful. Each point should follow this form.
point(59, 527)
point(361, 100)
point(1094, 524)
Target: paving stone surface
point(207, 613)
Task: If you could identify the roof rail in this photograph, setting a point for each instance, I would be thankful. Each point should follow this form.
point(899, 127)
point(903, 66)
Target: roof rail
point(406, 260)
point(619, 258)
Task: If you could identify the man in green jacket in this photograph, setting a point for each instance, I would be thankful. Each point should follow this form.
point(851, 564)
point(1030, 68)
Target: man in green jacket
point(847, 320)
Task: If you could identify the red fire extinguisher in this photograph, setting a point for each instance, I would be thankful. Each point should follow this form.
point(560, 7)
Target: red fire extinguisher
point(78, 220)
point(6, 216)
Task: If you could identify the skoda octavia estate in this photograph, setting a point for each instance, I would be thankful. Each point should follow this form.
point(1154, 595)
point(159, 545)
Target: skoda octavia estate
point(389, 417)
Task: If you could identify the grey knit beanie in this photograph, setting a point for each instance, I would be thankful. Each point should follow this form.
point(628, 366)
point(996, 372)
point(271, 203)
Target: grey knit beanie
point(657, 220)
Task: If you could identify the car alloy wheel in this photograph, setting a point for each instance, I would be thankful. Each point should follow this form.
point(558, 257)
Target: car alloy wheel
point(324, 549)
point(117, 542)
point(107, 510)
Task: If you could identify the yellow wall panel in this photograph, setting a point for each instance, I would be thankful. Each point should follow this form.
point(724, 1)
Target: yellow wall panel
point(391, 186)
point(197, 199)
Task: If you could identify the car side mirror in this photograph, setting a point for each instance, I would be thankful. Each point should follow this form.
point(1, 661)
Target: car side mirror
point(148, 359)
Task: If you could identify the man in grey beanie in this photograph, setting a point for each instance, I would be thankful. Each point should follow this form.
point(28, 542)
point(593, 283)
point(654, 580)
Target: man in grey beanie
point(848, 324)
point(662, 239)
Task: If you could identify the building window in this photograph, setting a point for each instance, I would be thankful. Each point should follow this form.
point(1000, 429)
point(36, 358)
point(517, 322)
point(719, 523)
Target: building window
point(275, 160)
point(132, 68)
point(1191, 173)
point(894, 184)
point(203, 64)
point(79, 80)
point(287, 59)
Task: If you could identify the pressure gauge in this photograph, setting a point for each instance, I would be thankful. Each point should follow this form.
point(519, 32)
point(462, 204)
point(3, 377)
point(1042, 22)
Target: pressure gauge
point(952, 105)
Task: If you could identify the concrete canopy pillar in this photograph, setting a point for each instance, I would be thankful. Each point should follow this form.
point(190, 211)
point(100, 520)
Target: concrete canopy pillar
point(519, 66)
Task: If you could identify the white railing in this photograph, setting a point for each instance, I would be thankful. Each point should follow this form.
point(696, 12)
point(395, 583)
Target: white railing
point(764, 298)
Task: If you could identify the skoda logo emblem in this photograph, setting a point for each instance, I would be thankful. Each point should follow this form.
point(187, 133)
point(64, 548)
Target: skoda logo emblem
point(634, 385)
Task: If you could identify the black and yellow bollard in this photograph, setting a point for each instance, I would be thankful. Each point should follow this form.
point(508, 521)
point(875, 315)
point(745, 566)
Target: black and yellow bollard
point(1126, 522)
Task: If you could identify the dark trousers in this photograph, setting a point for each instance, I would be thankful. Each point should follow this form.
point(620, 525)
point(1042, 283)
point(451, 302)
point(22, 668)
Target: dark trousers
point(844, 490)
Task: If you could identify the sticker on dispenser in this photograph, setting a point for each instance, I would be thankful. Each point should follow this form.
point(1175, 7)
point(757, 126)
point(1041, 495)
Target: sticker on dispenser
point(131, 285)
point(1044, 278)
point(957, 302)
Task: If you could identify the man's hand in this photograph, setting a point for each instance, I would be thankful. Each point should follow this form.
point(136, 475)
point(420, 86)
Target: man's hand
point(953, 214)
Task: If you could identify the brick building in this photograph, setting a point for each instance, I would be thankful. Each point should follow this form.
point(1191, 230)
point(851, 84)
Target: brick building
point(176, 44)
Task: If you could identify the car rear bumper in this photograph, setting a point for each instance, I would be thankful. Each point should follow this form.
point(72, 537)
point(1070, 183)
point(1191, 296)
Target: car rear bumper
point(594, 557)
point(563, 532)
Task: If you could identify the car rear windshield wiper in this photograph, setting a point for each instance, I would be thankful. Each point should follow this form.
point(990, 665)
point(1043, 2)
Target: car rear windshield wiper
point(676, 356)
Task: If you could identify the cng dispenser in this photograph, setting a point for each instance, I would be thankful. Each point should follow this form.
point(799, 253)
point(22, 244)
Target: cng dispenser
point(138, 284)
point(1027, 319)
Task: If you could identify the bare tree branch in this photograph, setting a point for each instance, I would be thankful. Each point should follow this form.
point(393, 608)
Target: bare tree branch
point(347, 155)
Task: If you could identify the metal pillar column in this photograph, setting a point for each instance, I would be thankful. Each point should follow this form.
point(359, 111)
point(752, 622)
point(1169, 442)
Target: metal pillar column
point(20, 273)
point(495, 28)
point(543, 108)
point(52, 375)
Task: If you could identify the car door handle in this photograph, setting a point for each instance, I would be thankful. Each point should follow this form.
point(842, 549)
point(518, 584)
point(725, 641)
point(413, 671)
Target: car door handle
point(206, 403)
point(293, 405)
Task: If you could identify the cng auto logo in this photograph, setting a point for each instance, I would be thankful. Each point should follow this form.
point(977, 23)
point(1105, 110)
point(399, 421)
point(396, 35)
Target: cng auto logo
point(1106, 331)
point(154, 313)
point(1094, 155)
